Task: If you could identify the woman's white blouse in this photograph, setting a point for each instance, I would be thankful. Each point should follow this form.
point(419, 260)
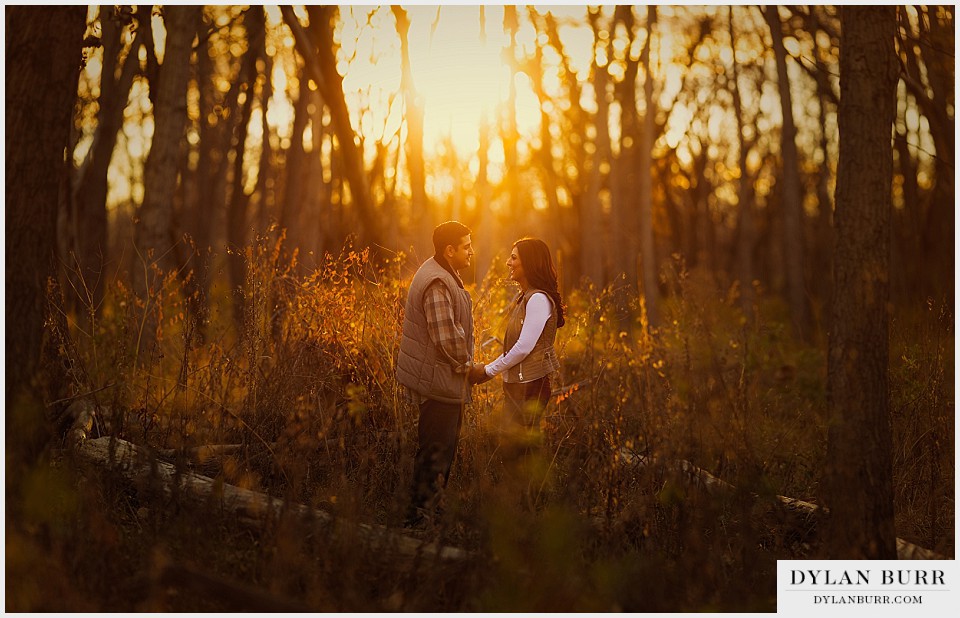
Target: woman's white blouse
point(539, 310)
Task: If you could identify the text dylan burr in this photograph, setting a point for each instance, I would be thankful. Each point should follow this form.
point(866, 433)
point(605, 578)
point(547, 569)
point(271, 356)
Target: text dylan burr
point(886, 577)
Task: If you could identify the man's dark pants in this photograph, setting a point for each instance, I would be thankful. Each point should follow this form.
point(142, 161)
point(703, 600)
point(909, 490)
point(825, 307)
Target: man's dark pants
point(437, 434)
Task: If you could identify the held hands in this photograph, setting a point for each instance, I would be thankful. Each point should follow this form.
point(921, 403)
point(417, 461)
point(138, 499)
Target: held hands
point(477, 375)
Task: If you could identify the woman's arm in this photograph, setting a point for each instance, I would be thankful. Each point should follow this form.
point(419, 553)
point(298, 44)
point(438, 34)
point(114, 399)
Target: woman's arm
point(538, 311)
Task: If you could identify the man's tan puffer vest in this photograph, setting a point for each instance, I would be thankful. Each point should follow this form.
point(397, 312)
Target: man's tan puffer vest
point(420, 365)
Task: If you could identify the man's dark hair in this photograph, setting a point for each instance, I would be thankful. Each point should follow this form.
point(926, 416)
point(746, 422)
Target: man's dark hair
point(448, 233)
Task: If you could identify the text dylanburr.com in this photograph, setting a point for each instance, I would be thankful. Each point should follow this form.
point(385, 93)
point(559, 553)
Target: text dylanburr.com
point(866, 587)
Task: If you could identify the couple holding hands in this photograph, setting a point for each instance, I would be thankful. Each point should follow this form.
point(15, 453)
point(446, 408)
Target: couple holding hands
point(435, 362)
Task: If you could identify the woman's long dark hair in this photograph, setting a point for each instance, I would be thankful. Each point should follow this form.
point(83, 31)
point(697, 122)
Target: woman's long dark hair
point(541, 274)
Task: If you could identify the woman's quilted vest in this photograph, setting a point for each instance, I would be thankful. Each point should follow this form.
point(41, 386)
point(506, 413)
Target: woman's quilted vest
point(542, 360)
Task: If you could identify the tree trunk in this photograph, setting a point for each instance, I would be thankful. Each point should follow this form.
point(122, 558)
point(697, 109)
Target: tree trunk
point(821, 282)
point(216, 143)
point(324, 215)
point(294, 162)
point(745, 222)
point(858, 483)
point(907, 249)
point(791, 197)
point(591, 216)
point(237, 224)
point(486, 231)
point(483, 242)
point(648, 250)
point(939, 233)
point(153, 65)
point(701, 249)
point(553, 232)
point(420, 212)
point(823, 259)
point(89, 216)
point(198, 220)
point(266, 204)
point(43, 56)
point(319, 54)
point(929, 76)
point(624, 180)
point(508, 134)
point(154, 230)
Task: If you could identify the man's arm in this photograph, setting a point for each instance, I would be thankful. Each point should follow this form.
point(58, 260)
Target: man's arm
point(445, 333)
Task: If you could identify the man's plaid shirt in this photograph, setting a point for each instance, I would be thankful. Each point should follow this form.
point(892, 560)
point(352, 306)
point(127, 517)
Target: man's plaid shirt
point(445, 333)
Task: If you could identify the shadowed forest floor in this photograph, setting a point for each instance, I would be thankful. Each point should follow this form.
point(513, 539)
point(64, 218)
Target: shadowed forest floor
point(307, 396)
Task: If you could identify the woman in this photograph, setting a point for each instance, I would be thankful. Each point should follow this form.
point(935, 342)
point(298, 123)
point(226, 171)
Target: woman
point(529, 356)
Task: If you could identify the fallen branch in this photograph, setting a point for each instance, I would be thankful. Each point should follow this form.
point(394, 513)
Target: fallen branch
point(84, 413)
point(85, 418)
point(701, 478)
point(251, 508)
point(206, 453)
point(202, 454)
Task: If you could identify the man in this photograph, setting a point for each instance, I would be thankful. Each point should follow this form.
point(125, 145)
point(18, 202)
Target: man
point(436, 354)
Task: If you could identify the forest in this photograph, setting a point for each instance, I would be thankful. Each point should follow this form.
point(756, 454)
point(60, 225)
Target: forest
point(213, 214)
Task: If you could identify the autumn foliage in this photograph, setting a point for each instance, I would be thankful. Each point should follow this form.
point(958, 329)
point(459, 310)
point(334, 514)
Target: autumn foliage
point(306, 389)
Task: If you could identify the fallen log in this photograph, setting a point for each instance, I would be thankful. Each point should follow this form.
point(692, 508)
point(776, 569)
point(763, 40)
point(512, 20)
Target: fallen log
point(701, 478)
point(83, 415)
point(251, 508)
point(202, 454)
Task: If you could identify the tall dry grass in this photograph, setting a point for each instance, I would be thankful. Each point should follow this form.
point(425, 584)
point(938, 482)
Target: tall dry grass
point(302, 379)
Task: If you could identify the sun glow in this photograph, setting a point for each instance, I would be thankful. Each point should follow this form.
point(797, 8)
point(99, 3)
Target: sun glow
point(460, 74)
point(461, 70)
point(460, 77)
point(458, 67)
point(457, 76)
